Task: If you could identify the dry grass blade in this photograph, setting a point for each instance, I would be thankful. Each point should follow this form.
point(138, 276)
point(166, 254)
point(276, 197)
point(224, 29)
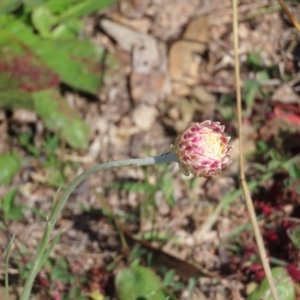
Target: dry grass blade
point(250, 207)
point(289, 15)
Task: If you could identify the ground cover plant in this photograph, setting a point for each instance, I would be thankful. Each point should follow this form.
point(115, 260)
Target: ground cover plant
point(83, 82)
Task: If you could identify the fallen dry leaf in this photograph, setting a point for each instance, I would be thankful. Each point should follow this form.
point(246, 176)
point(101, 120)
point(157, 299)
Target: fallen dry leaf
point(207, 101)
point(197, 30)
point(24, 116)
point(148, 88)
point(133, 9)
point(140, 25)
point(126, 37)
point(144, 116)
point(184, 61)
point(170, 16)
point(286, 94)
point(180, 89)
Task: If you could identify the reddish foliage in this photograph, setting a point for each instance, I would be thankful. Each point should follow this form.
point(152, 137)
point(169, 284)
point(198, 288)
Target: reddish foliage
point(294, 272)
point(286, 224)
point(249, 252)
point(255, 267)
point(266, 209)
point(259, 274)
point(287, 115)
point(276, 191)
point(258, 271)
point(27, 72)
point(98, 281)
point(272, 235)
point(42, 277)
point(56, 295)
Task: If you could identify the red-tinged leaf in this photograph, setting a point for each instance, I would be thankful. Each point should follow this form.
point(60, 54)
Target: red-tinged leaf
point(24, 71)
point(43, 280)
point(287, 115)
point(294, 272)
point(258, 271)
point(272, 236)
point(266, 209)
point(56, 295)
point(75, 61)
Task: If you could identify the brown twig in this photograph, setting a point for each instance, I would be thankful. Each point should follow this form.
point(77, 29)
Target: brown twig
point(249, 203)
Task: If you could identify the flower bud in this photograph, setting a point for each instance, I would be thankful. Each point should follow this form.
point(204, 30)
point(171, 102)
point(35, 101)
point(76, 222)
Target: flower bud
point(202, 149)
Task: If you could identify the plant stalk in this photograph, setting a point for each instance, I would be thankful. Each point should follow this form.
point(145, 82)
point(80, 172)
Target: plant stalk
point(59, 205)
point(249, 203)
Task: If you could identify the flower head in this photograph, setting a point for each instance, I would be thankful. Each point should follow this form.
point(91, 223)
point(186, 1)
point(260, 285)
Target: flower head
point(202, 149)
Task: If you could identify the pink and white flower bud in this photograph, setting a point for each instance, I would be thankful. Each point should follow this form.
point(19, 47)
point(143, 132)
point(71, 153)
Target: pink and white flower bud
point(202, 149)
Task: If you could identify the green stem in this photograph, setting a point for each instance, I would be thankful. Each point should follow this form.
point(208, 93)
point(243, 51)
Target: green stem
point(59, 205)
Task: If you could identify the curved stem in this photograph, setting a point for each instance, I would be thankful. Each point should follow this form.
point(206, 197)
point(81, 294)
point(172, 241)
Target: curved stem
point(59, 205)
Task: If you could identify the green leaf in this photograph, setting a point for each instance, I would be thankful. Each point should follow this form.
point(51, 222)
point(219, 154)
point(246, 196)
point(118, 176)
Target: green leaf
point(61, 274)
point(294, 171)
point(137, 282)
point(262, 75)
point(77, 62)
point(7, 260)
point(16, 98)
point(34, 3)
point(294, 234)
point(254, 61)
point(68, 30)
point(10, 164)
point(83, 8)
point(251, 90)
point(58, 116)
point(8, 200)
point(58, 6)
point(76, 134)
point(10, 209)
point(169, 277)
point(273, 165)
point(42, 20)
point(7, 6)
point(6, 19)
point(284, 286)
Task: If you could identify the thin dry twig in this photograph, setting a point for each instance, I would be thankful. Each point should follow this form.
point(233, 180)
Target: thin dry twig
point(249, 203)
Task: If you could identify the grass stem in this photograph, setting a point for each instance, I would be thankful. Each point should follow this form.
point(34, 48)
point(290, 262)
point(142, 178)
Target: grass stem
point(249, 203)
